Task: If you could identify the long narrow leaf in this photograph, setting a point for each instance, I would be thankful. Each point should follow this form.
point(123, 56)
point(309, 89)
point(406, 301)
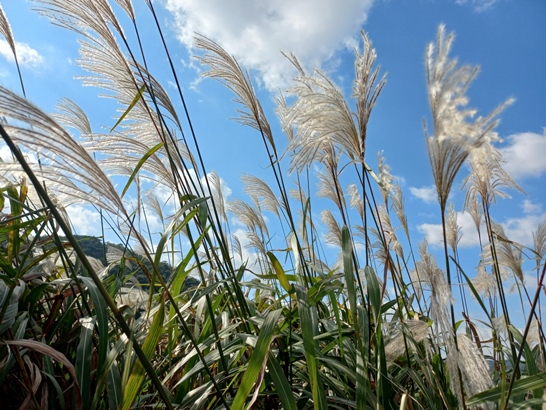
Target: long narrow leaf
point(281, 383)
point(83, 359)
point(137, 375)
point(257, 360)
point(138, 96)
point(308, 326)
point(521, 386)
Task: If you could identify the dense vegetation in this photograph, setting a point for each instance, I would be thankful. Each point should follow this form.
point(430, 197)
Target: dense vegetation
point(269, 324)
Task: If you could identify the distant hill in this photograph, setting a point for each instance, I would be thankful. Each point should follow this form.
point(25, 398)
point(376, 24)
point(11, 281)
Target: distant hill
point(94, 247)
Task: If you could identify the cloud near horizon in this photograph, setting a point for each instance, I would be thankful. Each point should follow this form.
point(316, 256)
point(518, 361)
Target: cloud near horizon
point(518, 229)
point(256, 32)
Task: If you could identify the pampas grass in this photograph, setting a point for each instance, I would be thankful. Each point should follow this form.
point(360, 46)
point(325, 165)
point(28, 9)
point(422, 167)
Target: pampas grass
point(273, 323)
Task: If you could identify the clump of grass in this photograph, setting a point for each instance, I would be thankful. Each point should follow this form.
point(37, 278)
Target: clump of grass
point(273, 323)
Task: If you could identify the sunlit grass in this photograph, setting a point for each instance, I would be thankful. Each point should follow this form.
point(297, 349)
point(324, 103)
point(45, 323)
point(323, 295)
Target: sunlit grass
point(273, 323)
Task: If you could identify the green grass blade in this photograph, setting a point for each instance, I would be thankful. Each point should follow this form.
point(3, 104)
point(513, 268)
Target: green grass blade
point(101, 313)
point(176, 226)
point(138, 96)
point(363, 387)
point(110, 376)
point(521, 386)
point(308, 325)
point(284, 391)
point(348, 268)
point(150, 343)
point(281, 275)
point(257, 360)
point(151, 152)
point(83, 359)
point(374, 291)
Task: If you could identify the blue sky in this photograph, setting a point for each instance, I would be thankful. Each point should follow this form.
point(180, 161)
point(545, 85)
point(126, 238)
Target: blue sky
point(506, 38)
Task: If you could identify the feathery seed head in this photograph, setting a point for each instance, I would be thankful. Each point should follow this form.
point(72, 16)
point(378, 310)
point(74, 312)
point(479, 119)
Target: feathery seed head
point(224, 68)
point(453, 230)
point(5, 31)
point(539, 243)
point(454, 134)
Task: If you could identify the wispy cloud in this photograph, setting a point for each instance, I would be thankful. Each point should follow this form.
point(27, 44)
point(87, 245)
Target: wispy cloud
point(530, 207)
point(478, 5)
point(256, 32)
point(26, 55)
point(426, 193)
point(524, 154)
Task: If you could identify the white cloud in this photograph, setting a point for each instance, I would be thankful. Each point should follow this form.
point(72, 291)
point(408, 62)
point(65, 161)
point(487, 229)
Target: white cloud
point(84, 221)
point(426, 193)
point(468, 233)
point(521, 229)
point(529, 207)
point(478, 5)
point(256, 32)
point(26, 55)
point(525, 154)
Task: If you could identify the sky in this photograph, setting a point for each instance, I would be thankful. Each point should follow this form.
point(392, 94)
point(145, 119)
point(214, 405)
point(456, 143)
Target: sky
point(506, 38)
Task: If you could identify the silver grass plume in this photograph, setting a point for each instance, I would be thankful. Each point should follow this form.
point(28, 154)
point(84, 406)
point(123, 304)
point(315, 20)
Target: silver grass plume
point(459, 361)
point(382, 250)
point(508, 253)
point(5, 31)
point(217, 194)
point(257, 242)
point(283, 114)
point(539, 244)
point(329, 187)
point(248, 215)
point(389, 232)
point(454, 135)
point(333, 236)
point(323, 121)
point(472, 205)
point(413, 332)
point(70, 169)
point(73, 116)
point(473, 368)
point(367, 87)
point(440, 292)
point(99, 54)
point(453, 231)
point(298, 194)
point(236, 247)
point(81, 16)
point(487, 177)
point(385, 177)
point(356, 200)
point(152, 202)
point(321, 114)
point(398, 203)
point(485, 283)
point(258, 188)
point(127, 6)
point(224, 68)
